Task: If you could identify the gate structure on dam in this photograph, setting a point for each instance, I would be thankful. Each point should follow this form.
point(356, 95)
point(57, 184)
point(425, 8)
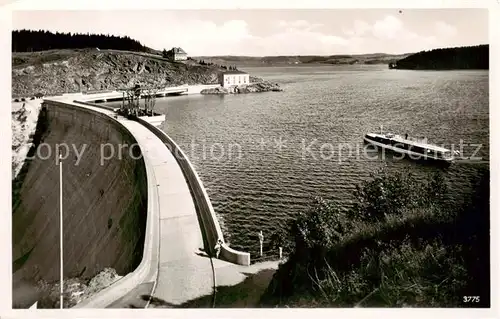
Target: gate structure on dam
point(131, 102)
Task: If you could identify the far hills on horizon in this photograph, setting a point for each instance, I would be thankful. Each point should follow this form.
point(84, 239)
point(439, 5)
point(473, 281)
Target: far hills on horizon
point(370, 58)
point(465, 57)
point(33, 41)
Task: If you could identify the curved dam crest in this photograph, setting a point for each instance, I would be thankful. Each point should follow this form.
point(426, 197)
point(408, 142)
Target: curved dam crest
point(157, 192)
point(104, 205)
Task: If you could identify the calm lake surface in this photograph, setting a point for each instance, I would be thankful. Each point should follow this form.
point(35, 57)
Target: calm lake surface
point(257, 183)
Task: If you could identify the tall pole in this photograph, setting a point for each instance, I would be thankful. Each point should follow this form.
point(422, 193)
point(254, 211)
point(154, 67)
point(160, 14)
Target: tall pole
point(61, 229)
point(261, 240)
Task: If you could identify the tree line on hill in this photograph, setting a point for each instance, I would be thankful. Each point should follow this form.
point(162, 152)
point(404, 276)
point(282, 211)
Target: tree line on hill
point(470, 57)
point(230, 68)
point(30, 41)
point(220, 66)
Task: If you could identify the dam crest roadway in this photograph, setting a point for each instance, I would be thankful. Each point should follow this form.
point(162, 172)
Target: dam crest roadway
point(178, 263)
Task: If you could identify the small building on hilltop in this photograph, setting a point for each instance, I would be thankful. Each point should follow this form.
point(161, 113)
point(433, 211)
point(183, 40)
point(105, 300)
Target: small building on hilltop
point(176, 54)
point(233, 77)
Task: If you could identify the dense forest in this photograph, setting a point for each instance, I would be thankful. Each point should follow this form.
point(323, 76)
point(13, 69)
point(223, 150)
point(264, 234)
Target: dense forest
point(472, 57)
point(29, 41)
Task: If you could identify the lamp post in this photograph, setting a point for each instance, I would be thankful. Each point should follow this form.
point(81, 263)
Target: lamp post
point(61, 230)
point(261, 240)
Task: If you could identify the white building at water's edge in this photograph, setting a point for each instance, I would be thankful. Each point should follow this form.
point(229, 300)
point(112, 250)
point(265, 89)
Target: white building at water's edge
point(233, 78)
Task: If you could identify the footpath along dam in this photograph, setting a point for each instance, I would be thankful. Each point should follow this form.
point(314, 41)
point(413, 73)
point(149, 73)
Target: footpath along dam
point(145, 213)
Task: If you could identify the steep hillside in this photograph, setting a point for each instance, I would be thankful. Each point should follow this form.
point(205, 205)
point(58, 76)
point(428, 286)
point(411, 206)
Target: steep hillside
point(24, 119)
point(66, 71)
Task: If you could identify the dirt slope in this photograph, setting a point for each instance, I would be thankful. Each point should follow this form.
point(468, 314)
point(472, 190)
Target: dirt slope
point(67, 71)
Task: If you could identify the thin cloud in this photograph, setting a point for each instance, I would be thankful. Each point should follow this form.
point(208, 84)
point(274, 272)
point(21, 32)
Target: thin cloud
point(246, 33)
point(388, 34)
point(302, 25)
point(389, 28)
point(445, 29)
point(300, 37)
point(360, 29)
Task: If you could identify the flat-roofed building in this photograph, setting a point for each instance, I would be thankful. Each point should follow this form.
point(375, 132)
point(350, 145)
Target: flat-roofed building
point(233, 78)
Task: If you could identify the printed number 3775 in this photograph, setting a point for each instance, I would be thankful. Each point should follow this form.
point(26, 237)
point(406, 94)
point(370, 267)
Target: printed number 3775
point(471, 298)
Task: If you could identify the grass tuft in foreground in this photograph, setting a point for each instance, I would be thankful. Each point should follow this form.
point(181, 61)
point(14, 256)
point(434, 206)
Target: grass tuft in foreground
point(401, 245)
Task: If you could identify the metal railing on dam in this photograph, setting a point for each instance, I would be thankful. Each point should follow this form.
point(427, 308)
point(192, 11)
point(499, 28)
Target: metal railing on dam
point(210, 223)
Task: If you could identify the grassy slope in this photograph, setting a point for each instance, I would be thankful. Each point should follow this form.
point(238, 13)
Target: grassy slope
point(425, 255)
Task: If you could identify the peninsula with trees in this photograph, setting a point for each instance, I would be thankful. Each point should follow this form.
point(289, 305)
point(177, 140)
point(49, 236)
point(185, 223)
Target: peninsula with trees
point(471, 57)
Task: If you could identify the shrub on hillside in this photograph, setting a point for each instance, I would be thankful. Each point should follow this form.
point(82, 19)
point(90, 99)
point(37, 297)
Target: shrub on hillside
point(319, 228)
point(401, 245)
point(392, 194)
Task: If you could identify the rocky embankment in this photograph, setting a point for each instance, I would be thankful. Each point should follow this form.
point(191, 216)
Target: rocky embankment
point(262, 86)
point(24, 119)
point(75, 290)
point(56, 72)
point(70, 71)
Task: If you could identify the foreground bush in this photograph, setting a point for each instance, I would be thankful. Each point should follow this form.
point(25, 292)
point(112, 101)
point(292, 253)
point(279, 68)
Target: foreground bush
point(402, 244)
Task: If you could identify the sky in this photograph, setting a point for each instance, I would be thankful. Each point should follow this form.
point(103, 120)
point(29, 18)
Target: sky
point(264, 32)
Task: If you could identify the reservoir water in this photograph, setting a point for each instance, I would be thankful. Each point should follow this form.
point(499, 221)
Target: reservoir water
point(262, 156)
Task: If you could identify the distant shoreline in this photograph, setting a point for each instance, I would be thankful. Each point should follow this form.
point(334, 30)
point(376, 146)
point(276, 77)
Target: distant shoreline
point(366, 59)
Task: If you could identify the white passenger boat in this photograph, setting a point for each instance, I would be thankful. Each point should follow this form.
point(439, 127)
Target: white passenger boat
point(417, 150)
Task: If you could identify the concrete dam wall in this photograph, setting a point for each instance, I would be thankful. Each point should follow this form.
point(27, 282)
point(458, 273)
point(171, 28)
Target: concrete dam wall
point(104, 206)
